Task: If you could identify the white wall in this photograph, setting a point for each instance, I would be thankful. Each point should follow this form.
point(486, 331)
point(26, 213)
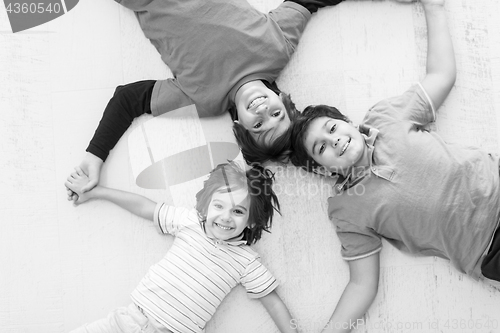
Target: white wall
point(62, 266)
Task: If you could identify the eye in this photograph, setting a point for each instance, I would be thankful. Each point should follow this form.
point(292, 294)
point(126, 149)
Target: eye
point(218, 206)
point(258, 125)
point(321, 149)
point(277, 113)
point(238, 212)
point(332, 129)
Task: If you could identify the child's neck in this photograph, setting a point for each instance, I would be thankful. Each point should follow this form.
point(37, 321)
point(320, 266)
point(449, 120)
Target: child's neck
point(363, 161)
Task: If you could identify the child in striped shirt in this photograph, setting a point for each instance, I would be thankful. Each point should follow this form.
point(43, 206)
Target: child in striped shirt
point(210, 254)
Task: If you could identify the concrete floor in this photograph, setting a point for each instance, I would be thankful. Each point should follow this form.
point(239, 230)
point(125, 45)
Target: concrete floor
point(63, 266)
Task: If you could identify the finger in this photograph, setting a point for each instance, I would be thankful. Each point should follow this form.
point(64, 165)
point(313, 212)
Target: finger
point(75, 175)
point(78, 171)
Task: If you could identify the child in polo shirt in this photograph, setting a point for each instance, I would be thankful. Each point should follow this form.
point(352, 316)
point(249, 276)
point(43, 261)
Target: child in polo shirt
point(225, 56)
point(210, 254)
point(398, 179)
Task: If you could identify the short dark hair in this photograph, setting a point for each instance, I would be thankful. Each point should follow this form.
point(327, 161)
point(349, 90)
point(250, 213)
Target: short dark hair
point(278, 150)
point(300, 157)
point(258, 181)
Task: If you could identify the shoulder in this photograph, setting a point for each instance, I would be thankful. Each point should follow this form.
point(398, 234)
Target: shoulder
point(244, 254)
point(413, 107)
point(172, 217)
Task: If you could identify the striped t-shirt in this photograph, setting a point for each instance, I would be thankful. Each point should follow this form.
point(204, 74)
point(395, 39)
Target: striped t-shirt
point(183, 290)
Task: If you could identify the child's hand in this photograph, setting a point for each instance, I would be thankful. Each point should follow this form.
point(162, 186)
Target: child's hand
point(91, 166)
point(75, 185)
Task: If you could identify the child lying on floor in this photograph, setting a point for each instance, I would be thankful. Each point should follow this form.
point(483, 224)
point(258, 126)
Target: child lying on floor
point(400, 180)
point(210, 254)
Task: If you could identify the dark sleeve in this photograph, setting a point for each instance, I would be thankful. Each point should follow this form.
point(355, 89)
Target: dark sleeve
point(128, 102)
point(313, 5)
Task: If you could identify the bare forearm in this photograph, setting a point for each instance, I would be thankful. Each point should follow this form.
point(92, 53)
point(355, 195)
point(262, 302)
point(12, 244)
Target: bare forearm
point(134, 203)
point(358, 294)
point(351, 307)
point(440, 54)
point(279, 312)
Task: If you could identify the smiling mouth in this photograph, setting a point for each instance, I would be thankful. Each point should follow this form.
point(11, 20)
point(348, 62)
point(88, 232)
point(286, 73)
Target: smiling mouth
point(345, 147)
point(222, 227)
point(256, 102)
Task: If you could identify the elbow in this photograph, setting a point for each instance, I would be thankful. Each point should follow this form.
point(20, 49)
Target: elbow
point(371, 291)
point(368, 287)
point(371, 287)
point(452, 75)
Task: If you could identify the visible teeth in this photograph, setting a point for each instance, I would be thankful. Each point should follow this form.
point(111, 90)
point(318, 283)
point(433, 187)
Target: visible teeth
point(256, 101)
point(222, 227)
point(345, 147)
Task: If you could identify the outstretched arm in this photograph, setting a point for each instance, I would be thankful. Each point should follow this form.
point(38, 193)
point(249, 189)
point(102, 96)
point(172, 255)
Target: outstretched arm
point(441, 67)
point(358, 295)
point(134, 203)
point(278, 311)
point(128, 102)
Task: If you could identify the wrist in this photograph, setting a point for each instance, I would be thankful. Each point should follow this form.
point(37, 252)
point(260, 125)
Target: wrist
point(95, 159)
point(96, 193)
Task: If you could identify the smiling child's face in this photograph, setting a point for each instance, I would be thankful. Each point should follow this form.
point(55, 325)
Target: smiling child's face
point(227, 214)
point(335, 144)
point(261, 111)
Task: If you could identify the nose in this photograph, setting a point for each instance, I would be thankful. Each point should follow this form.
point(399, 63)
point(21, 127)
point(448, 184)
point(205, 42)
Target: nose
point(335, 142)
point(261, 109)
point(226, 215)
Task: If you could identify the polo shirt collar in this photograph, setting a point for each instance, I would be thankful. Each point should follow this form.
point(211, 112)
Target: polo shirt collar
point(357, 174)
point(234, 242)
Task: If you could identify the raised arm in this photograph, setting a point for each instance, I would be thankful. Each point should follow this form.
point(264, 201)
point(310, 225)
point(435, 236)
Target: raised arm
point(441, 66)
point(134, 203)
point(357, 296)
point(278, 312)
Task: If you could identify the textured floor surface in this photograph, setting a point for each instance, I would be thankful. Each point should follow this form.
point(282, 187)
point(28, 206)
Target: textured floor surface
point(63, 266)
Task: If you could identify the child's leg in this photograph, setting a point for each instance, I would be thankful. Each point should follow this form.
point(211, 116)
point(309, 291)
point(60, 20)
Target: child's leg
point(122, 320)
